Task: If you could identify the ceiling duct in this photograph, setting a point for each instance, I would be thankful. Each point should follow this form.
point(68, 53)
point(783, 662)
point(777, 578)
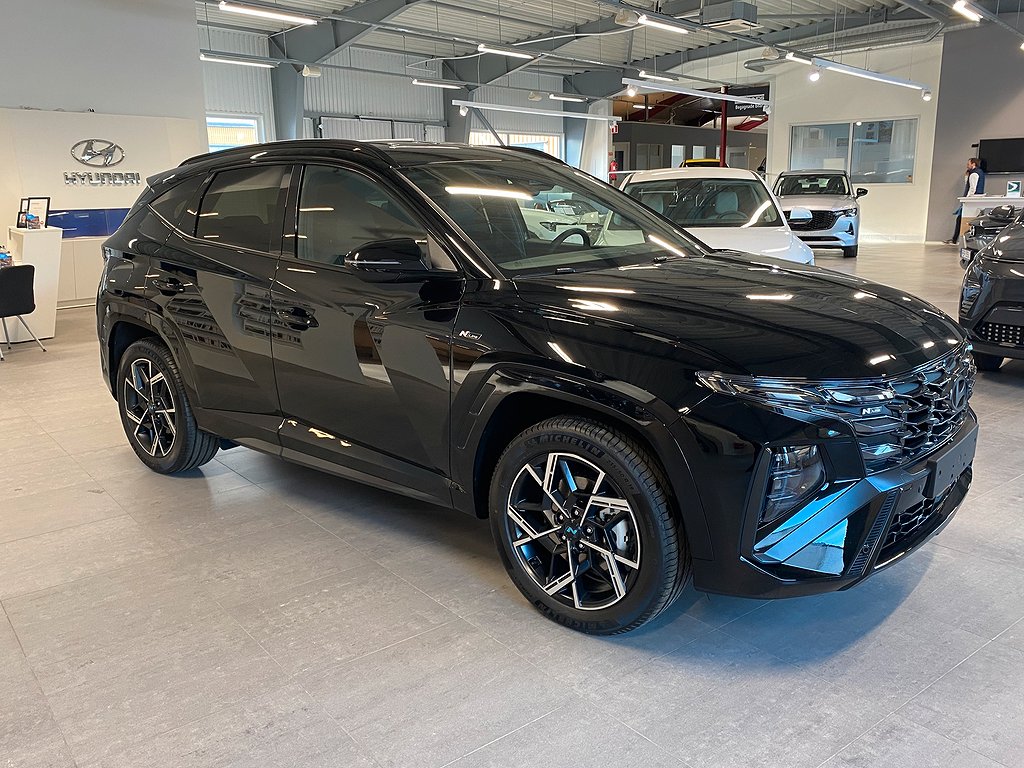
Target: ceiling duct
point(734, 16)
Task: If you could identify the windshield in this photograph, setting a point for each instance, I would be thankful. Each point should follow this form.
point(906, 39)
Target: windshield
point(812, 184)
point(531, 217)
point(696, 202)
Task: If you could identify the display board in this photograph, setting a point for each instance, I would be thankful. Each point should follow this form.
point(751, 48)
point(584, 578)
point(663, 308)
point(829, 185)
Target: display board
point(1002, 155)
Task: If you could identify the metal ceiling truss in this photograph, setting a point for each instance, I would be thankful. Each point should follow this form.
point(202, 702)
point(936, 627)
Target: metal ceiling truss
point(552, 45)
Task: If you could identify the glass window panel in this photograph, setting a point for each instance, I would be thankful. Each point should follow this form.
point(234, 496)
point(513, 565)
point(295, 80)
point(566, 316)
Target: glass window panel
point(678, 155)
point(819, 146)
point(228, 132)
point(171, 204)
point(884, 151)
point(341, 210)
point(694, 202)
point(244, 207)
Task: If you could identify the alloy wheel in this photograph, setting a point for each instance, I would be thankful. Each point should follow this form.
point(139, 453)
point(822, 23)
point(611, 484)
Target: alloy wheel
point(149, 405)
point(573, 531)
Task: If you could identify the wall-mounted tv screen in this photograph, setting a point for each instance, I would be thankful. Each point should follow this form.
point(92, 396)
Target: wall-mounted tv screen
point(1002, 155)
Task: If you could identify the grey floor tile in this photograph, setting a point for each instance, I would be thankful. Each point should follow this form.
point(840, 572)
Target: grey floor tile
point(899, 743)
point(449, 691)
point(978, 704)
point(256, 566)
point(85, 617)
point(113, 698)
point(576, 735)
point(46, 511)
point(43, 561)
point(715, 610)
point(44, 474)
point(225, 515)
point(583, 660)
point(721, 702)
point(146, 491)
point(863, 640)
point(284, 728)
point(109, 462)
point(323, 623)
point(25, 449)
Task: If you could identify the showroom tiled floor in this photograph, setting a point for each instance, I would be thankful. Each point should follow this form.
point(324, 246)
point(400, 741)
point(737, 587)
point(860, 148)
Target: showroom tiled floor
point(259, 614)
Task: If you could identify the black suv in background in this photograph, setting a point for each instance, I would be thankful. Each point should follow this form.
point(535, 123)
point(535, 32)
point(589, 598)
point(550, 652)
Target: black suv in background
point(627, 408)
point(992, 298)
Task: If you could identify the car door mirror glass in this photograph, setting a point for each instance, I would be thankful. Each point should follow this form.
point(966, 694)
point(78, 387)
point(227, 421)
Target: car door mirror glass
point(861, 191)
point(799, 215)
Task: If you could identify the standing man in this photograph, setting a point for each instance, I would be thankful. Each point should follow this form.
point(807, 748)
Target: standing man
point(974, 184)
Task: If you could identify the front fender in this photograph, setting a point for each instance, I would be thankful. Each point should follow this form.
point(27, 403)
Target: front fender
point(488, 386)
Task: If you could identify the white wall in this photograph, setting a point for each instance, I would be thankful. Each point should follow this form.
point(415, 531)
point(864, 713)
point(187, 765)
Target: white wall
point(120, 57)
point(234, 90)
point(890, 211)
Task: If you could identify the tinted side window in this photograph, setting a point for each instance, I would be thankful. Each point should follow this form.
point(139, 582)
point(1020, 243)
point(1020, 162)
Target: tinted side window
point(172, 203)
point(245, 207)
point(341, 210)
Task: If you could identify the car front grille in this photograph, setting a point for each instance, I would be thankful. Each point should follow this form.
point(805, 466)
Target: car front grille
point(930, 406)
point(819, 220)
point(907, 527)
point(1000, 333)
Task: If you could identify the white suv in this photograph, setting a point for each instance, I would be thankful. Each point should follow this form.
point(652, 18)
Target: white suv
point(727, 208)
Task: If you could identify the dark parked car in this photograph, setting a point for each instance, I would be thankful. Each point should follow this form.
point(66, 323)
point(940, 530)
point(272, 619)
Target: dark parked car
point(983, 230)
point(629, 409)
point(992, 299)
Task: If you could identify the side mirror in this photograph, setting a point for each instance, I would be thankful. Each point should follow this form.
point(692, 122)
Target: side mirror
point(387, 261)
point(799, 216)
point(861, 192)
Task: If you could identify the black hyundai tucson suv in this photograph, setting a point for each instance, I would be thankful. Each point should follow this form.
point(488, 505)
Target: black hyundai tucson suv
point(629, 409)
point(992, 299)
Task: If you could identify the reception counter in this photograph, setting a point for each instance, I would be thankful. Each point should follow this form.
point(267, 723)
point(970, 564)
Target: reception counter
point(41, 248)
point(974, 204)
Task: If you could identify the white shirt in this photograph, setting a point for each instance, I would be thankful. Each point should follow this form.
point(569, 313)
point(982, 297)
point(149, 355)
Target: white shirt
point(972, 183)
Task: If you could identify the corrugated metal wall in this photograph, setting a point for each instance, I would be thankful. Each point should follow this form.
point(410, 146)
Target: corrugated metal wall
point(515, 123)
point(235, 90)
point(369, 94)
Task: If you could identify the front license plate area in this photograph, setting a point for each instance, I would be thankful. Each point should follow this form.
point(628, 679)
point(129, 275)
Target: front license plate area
point(948, 466)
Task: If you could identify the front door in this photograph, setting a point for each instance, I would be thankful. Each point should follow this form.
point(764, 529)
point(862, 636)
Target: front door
point(363, 367)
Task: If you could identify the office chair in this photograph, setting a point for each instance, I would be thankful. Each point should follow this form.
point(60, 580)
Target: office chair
point(17, 298)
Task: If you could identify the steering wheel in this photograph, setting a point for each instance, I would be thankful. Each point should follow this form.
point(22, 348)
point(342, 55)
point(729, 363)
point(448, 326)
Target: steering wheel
point(563, 236)
point(732, 216)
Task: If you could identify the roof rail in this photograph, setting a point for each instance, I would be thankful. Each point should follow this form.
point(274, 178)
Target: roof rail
point(252, 149)
point(538, 153)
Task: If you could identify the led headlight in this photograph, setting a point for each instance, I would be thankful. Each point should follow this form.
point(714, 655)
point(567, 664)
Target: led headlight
point(848, 212)
point(795, 474)
point(969, 292)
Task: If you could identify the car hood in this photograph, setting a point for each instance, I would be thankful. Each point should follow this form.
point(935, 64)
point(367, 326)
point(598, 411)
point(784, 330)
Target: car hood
point(818, 202)
point(763, 317)
point(774, 242)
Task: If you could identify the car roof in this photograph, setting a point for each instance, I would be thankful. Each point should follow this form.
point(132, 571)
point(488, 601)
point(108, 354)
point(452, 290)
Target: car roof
point(814, 172)
point(397, 152)
point(693, 172)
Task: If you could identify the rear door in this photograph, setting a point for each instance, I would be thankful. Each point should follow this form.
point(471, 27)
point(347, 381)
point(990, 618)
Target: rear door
point(362, 365)
point(212, 280)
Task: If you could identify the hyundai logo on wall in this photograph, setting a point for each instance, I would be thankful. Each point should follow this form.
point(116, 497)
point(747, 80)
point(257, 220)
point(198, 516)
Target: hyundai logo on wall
point(98, 153)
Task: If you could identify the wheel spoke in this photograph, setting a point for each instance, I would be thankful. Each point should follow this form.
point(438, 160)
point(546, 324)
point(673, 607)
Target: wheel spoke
point(531, 533)
point(544, 488)
point(561, 582)
point(132, 417)
point(168, 417)
point(569, 479)
point(608, 553)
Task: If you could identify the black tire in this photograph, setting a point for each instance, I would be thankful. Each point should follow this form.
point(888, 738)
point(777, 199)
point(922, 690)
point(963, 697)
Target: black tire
point(988, 363)
point(158, 419)
point(850, 252)
point(652, 566)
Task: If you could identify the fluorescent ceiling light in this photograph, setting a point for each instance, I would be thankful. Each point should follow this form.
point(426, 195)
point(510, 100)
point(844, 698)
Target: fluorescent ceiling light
point(961, 7)
point(815, 74)
point(437, 83)
point(644, 75)
point(867, 74)
point(266, 13)
point(240, 62)
point(675, 88)
point(641, 106)
point(513, 52)
point(531, 111)
point(799, 59)
point(566, 97)
point(511, 194)
point(666, 25)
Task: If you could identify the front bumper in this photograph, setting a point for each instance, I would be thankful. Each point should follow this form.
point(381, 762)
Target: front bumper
point(994, 320)
point(842, 234)
point(851, 530)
